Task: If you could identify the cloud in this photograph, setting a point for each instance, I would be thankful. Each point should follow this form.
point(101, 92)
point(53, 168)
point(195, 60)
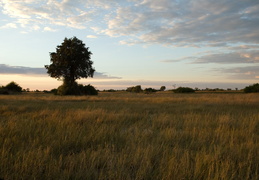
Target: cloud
point(49, 29)
point(188, 23)
point(6, 69)
point(98, 75)
point(91, 36)
point(21, 70)
point(234, 55)
point(230, 58)
point(193, 23)
point(240, 73)
point(61, 13)
point(9, 25)
point(185, 58)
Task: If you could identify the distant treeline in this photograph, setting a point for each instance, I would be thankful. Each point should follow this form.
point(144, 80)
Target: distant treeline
point(14, 88)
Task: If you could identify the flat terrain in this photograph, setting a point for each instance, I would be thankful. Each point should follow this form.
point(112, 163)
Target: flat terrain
point(130, 136)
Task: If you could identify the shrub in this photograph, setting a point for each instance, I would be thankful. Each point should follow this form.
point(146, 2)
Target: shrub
point(184, 90)
point(136, 89)
point(110, 90)
point(75, 89)
point(252, 88)
point(3, 90)
point(87, 90)
point(162, 88)
point(149, 90)
point(54, 91)
point(13, 87)
point(68, 89)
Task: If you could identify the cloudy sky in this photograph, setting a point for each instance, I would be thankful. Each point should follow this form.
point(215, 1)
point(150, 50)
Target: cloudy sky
point(196, 43)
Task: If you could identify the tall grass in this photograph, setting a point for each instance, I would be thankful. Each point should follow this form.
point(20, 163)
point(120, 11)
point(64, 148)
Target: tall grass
point(129, 136)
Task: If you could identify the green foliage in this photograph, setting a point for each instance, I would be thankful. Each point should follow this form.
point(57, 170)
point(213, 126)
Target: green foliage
point(184, 90)
point(135, 89)
point(71, 61)
point(252, 88)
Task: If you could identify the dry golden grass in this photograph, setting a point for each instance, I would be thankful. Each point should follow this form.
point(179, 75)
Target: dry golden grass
point(130, 136)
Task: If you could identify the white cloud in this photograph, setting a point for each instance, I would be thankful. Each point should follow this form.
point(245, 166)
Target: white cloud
point(35, 27)
point(193, 23)
point(49, 29)
point(91, 36)
point(9, 25)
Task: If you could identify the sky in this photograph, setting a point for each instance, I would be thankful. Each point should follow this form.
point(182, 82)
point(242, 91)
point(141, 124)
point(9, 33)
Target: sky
point(153, 43)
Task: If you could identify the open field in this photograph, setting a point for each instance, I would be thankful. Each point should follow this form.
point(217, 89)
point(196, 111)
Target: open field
point(130, 136)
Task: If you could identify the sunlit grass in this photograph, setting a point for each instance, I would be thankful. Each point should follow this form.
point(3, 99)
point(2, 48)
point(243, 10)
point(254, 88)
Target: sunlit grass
point(129, 136)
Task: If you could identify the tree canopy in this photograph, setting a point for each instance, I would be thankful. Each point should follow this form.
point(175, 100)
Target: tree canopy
point(71, 61)
point(11, 88)
point(252, 88)
point(184, 90)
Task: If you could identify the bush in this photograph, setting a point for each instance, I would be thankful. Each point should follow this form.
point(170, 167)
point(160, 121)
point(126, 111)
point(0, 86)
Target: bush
point(252, 88)
point(13, 87)
point(87, 90)
point(184, 90)
point(136, 89)
point(3, 90)
point(75, 89)
point(162, 88)
point(110, 90)
point(149, 90)
point(54, 91)
point(68, 89)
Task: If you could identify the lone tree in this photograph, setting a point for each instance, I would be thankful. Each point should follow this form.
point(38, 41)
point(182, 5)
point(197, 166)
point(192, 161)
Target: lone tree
point(71, 61)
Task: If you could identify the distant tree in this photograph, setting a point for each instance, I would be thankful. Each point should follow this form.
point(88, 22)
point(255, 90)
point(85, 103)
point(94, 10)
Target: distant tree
point(252, 88)
point(162, 88)
point(184, 90)
point(110, 90)
point(136, 89)
point(71, 61)
point(149, 90)
point(13, 87)
point(129, 89)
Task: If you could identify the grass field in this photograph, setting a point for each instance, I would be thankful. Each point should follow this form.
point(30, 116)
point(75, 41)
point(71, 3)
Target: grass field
point(130, 136)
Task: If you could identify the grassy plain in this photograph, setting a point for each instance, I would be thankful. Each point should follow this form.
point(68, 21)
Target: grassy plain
point(130, 136)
